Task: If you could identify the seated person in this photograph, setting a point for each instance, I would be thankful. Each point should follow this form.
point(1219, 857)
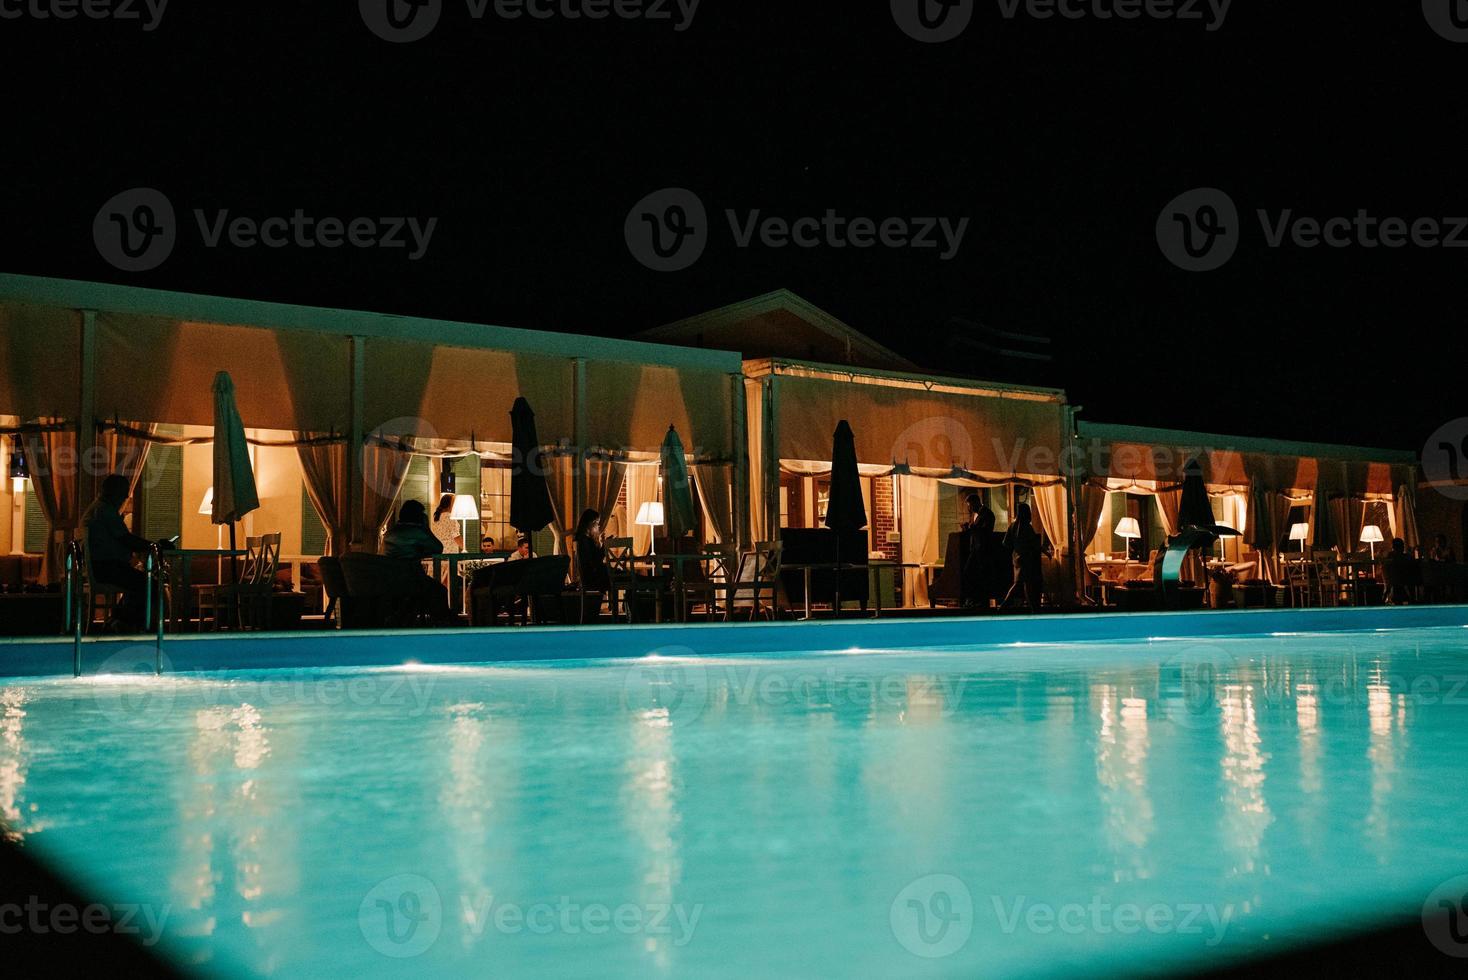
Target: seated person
point(486, 544)
point(1442, 551)
point(110, 548)
point(522, 549)
point(410, 539)
point(1397, 571)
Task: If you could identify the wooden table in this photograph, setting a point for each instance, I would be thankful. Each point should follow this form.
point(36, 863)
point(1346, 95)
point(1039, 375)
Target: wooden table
point(677, 563)
point(179, 564)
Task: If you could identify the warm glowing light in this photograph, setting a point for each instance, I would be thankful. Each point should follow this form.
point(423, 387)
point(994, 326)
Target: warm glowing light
point(466, 508)
point(206, 506)
point(1127, 527)
point(650, 514)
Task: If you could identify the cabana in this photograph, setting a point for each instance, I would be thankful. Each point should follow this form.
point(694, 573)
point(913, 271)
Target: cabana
point(99, 373)
point(922, 443)
point(1135, 472)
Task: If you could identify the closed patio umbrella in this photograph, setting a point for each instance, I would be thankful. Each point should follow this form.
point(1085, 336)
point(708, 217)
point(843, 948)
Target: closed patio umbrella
point(1194, 510)
point(530, 503)
point(678, 513)
point(234, 479)
point(845, 510)
point(1260, 534)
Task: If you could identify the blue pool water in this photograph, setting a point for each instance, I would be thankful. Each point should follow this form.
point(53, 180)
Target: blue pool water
point(1103, 808)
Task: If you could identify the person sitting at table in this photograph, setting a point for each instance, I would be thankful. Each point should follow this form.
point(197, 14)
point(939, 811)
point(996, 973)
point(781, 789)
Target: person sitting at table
point(1397, 570)
point(445, 528)
point(110, 549)
point(1442, 551)
point(410, 539)
point(486, 544)
point(522, 549)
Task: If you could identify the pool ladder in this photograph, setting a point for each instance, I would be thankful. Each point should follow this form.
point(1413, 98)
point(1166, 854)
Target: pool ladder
point(73, 615)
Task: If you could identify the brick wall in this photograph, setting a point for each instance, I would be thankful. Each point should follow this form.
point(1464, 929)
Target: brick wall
point(883, 518)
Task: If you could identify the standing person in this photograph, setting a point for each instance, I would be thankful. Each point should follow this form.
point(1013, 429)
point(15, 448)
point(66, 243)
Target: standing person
point(977, 582)
point(110, 550)
point(1024, 543)
point(445, 528)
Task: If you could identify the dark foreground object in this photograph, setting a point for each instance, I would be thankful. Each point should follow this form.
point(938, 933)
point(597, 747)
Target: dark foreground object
point(30, 893)
point(1401, 950)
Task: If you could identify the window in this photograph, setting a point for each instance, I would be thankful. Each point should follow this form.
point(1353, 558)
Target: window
point(792, 500)
point(494, 504)
point(466, 470)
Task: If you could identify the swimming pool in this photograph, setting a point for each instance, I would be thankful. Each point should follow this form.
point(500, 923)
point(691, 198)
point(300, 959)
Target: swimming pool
point(1100, 807)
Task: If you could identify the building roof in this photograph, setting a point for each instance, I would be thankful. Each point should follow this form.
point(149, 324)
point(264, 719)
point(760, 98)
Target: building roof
point(137, 301)
point(780, 324)
point(1142, 435)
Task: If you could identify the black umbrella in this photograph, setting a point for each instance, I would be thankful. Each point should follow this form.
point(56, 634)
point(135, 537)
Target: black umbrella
point(1194, 510)
point(845, 509)
point(530, 503)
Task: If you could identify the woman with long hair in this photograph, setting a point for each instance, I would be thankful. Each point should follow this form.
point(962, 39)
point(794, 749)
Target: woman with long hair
point(590, 555)
point(445, 528)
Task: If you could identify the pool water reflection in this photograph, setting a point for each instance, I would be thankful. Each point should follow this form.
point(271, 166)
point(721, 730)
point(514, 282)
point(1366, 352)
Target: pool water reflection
point(1101, 807)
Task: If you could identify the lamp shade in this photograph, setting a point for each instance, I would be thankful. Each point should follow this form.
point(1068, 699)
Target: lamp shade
point(207, 507)
point(1371, 534)
point(1300, 532)
point(1127, 527)
point(466, 508)
point(650, 513)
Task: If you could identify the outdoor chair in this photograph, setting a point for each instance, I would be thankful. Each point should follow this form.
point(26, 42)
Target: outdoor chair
point(521, 587)
point(710, 583)
point(248, 600)
point(626, 587)
point(96, 596)
point(383, 591)
point(758, 576)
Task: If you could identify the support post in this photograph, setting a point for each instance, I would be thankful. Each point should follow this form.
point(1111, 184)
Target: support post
point(355, 435)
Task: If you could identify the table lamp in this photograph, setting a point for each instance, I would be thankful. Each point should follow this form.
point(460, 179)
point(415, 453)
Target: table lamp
point(650, 514)
point(1128, 528)
point(1371, 535)
point(1300, 532)
point(465, 509)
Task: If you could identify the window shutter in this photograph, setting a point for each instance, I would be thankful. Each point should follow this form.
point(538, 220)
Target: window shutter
point(37, 528)
point(161, 490)
point(466, 480)
point(313, 531)
point(416, 484)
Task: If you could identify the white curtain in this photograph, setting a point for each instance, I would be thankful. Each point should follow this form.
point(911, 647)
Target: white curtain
point(1050, 508)
point(1169, 506)
point(642, 486)
point(919, 538)
point(716, 496)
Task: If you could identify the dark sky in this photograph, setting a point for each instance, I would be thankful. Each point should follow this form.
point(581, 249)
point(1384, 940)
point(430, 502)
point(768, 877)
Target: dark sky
point(1059, 140)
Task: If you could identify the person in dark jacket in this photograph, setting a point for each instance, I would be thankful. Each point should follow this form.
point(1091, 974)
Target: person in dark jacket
point(591, 556)
point(1024, 543)
point(411, 540)
point(977, 583)
point(110, 550)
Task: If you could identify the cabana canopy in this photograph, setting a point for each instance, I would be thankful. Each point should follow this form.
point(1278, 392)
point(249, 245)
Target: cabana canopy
point(1145, 460)
point(98, 353)
point(964, 432)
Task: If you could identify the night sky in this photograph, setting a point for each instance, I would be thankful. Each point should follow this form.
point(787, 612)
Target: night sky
point(1059, 140)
